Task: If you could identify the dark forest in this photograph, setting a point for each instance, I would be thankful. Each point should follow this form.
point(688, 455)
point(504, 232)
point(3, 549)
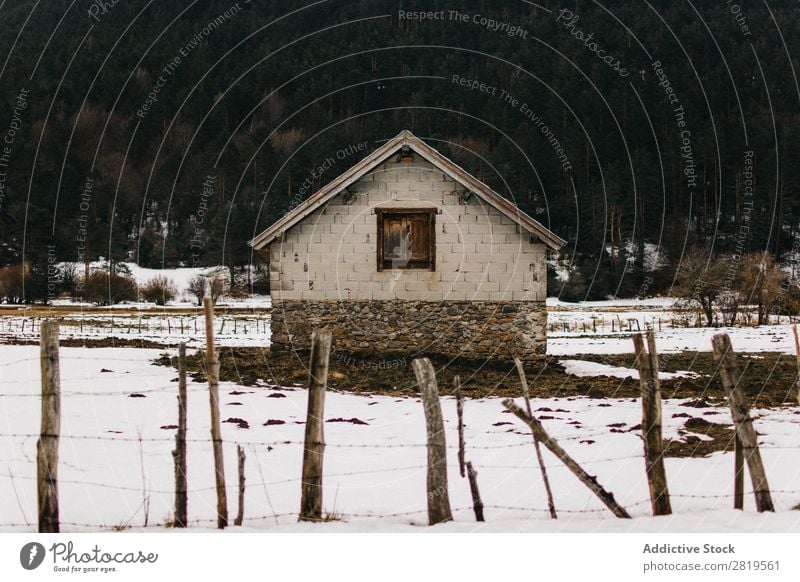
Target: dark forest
point(170, 133)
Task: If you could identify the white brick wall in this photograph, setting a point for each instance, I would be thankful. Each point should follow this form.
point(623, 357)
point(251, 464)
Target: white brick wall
point(480, 254)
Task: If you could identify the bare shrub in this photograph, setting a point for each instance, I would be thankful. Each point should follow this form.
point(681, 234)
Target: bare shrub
point(197, 287)
point(11, 282)
point(159, 290)
point(106, 289)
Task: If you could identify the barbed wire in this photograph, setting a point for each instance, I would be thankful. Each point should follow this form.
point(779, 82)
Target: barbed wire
point(213, 487)
point(336, 516)
point(275, 443)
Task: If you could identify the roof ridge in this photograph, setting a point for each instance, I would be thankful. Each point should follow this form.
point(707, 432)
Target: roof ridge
point(433, 156)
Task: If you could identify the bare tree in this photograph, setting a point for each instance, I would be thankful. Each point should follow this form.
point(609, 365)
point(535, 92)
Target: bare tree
point(701, 280)
point(760, 282)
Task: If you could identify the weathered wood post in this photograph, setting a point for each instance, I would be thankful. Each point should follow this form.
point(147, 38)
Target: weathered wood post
point(314, 447)
point(526, 394)
point(651, 423)
point(438, 497)
point(212, 369)
point(725, 358)
point(590, 481)
point(241, 457)
point(179, 454)
point(738, 473)
point(462, 467)
point(797, 356)
point(477, 504)
point(47, 445)
point(465, 467)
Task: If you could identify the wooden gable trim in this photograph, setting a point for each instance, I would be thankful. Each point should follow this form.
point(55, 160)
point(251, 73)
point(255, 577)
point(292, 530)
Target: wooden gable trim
point(447, 166)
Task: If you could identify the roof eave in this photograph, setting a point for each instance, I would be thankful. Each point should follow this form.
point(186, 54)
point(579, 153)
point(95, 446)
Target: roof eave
point(444, 164)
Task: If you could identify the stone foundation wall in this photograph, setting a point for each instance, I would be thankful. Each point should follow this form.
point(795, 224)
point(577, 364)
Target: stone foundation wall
point(471, 329)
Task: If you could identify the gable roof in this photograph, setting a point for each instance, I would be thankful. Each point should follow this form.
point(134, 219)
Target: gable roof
point(380, 155)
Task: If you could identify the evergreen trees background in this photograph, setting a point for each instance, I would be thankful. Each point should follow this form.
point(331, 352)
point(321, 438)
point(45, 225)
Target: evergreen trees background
point(261, 99)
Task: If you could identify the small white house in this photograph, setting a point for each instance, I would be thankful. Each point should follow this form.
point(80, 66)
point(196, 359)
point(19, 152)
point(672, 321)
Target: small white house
point(407, 253)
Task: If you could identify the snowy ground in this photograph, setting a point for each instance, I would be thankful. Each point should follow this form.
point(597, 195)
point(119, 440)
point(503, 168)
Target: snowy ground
point(242, 326)
point(115, 456)
point(584, 328)
point(593, 327)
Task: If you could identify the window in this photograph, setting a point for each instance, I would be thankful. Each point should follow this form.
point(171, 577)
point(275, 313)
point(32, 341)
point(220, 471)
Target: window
point(406, 238)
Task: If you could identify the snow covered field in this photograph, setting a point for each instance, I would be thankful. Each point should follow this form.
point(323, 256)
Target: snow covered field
point(246, 324)
point(116, 467)
point(238, 326)
point(571, 330)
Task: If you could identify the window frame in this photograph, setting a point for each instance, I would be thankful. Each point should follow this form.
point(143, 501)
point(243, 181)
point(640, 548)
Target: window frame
point(382, 214)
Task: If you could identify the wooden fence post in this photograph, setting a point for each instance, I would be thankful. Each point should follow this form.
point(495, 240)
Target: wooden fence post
point(212, 368)
point(460, 415)
point(314, 447)
point(465, 467)
point(651, 423)
point(47, 445)
point(526, 394)
point(725, 359)
point(797, 356)
point(241, 456)
point(738, 473)
point(477, 504)
point(438, 497)
point(591, 482)
point(179, 454)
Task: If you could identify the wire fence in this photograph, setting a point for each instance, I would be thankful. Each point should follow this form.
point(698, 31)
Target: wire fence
point(160, 328)
point(282, 518)
point(493, 461)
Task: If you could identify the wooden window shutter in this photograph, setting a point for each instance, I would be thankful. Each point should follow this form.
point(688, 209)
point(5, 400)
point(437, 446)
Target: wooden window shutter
point(406, 239)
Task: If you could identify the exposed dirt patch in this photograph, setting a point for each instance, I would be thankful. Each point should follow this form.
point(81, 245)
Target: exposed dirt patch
point(350, 420)
point(768, 380)
point(698, 403)
point(240, 422)
point(106, 342)
point(691, 445)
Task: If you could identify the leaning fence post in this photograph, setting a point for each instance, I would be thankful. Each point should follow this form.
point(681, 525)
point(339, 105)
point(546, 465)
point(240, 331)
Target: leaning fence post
point(738, 474)
point(590, 481)
point(212, 365)
point(47, 445)
point(725, 358)
point(438, 497)
point(651, 423)
point(465, 467)
point(477, 504)
point(179, 454)
point(314, 447)
point(526, 394)
point(241, 456)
